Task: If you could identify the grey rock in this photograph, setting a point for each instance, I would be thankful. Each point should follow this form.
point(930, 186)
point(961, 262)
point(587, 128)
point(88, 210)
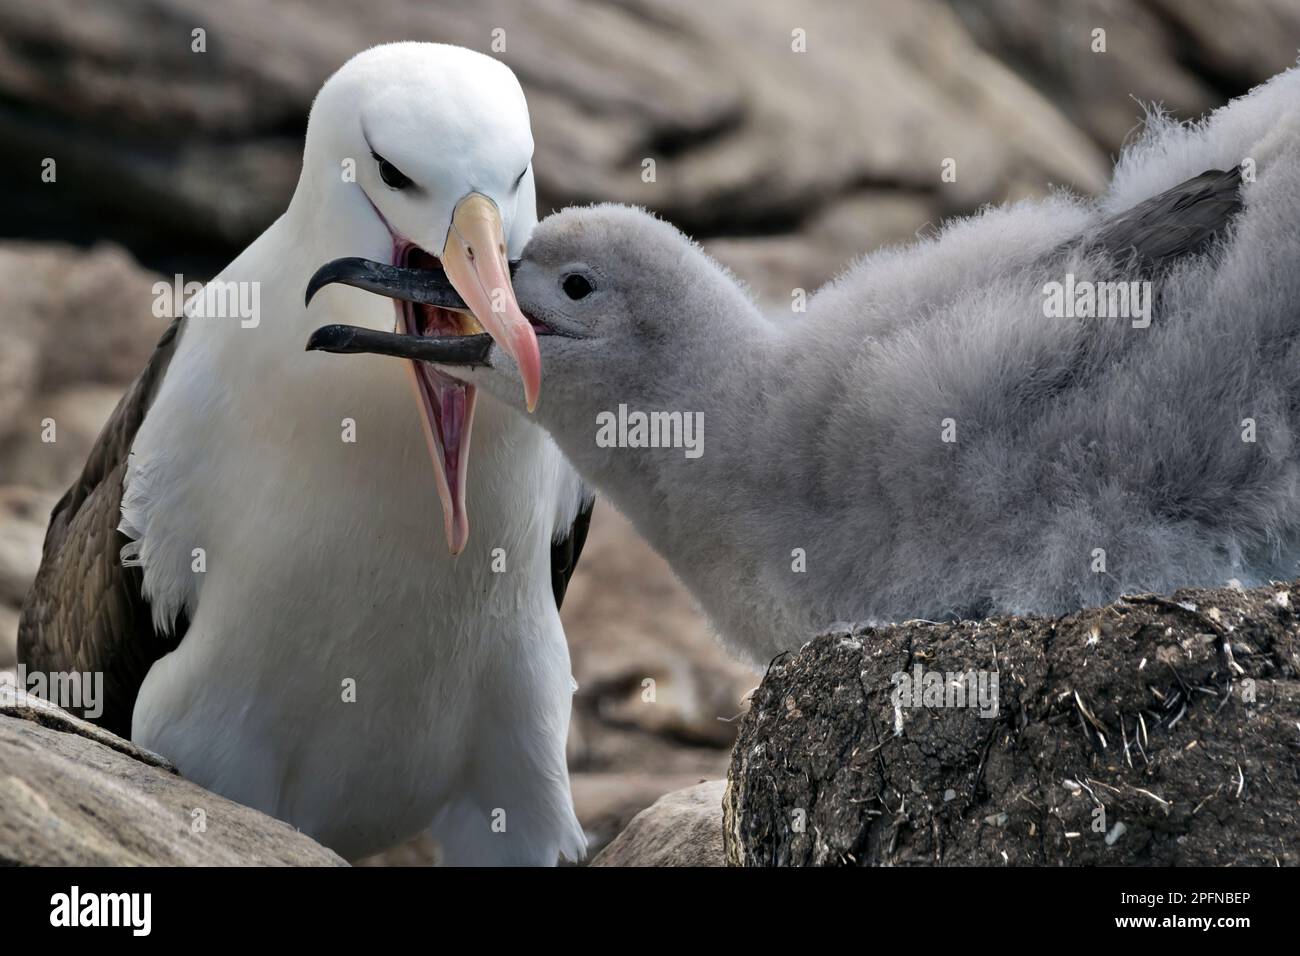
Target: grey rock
point(1190, 57)
point(682, 828)
point(643, 657)
point(77, 413)
point(23, 515)
point(72, 794)
point(1242, 42)
point(744, 130)
point(80, 315)
point(8, 635)
point(77, 326)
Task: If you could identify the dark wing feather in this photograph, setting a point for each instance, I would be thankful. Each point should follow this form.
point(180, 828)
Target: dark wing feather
point(1179, 222)
point(566, 551)
point(85, 611)
point(1145, 242)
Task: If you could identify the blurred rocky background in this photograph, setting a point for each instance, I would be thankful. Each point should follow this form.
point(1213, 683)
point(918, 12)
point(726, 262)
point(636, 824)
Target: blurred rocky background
point(789, 137)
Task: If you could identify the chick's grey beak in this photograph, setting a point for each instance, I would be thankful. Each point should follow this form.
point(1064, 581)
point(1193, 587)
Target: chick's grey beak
point(440, 350)
point(426, 286)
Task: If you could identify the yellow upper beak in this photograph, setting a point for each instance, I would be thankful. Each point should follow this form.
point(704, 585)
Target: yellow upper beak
point(474, 258)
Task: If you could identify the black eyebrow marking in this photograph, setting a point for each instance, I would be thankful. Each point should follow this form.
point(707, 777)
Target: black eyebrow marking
point(365, 138)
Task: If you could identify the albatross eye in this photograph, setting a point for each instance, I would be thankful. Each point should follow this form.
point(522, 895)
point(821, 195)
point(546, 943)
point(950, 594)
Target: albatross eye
point(390, 174)
point(577, 286)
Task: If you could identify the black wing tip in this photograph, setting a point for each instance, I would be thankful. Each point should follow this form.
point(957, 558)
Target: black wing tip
point(566, 552)
point(1181, 221)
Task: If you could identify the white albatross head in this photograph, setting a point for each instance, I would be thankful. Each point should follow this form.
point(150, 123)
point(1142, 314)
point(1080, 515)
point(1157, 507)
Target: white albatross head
point(441, 152)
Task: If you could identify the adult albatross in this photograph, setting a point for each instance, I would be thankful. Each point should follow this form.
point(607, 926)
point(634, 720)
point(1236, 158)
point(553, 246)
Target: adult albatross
point(938, 436)
point(254, 555)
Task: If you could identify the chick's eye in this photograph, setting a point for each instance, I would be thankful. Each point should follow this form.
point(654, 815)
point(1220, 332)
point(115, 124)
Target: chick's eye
point(577, 285)
point(390, 174)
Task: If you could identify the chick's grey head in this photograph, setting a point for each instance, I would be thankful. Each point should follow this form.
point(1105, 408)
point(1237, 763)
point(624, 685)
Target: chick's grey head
point(627, 300)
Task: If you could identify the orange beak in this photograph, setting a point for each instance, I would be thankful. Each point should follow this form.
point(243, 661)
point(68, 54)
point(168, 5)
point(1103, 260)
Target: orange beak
point(474, 258)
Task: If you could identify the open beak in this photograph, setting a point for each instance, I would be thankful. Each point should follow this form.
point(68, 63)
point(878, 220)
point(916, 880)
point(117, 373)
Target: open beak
point(407, 284)
point(467, 350)
point(431, 304)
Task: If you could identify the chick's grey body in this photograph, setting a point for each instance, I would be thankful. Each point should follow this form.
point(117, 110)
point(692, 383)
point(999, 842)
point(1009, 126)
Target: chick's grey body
point(925, 441)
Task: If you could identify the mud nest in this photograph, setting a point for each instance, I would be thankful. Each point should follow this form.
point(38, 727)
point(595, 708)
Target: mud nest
point(1153, 731)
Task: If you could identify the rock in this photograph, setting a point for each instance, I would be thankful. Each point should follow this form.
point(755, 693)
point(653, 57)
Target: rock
point(24, 513)
point(722, 108)
point(19, 369)
point(907, 75)
point(682, 828)
point(606, 803)
point(8, 636)
point(1151, 732)
point(1189, 57)
point(78, 326)
point(628, 620)
point(420, 850)
point(642, 654)
point(76, 414)
point(1239, 42)
point(72, 794)
point(1096, 90)
point(86, 315)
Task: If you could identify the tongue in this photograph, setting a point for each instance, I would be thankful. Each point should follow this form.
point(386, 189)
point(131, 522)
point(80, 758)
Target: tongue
point(447, 408)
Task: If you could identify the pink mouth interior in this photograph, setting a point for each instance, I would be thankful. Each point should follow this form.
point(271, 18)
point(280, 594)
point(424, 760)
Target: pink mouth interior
point(447, 405)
